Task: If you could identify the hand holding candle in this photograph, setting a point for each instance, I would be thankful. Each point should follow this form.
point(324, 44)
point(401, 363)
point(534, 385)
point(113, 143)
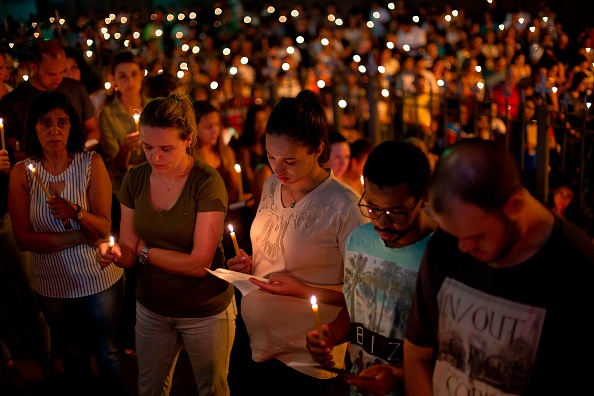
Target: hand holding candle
point(314, 308)
point(240, 181)
point(41, 183)
point(111, 243)
point(237, 251)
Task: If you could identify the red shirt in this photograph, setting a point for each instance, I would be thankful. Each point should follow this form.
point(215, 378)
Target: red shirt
point(512, 101)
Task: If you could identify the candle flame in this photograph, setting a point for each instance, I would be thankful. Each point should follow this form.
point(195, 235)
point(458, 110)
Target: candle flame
point(314, 301)
point(237, 168)
point(362, 180)
point(1, 122)
point(136, 117)
point(31, 168)
point(230, 228)
point(111, 241)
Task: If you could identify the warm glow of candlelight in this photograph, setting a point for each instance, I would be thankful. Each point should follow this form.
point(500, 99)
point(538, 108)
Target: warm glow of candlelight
point(111, 241)
point(136, 117)
point(314, 308)
point(234, 239)
point(2, 134)
point(41, 183)
point(239, 181)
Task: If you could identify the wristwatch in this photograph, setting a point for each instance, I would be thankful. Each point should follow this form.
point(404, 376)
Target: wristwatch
point(143, 258)
point(79, 213)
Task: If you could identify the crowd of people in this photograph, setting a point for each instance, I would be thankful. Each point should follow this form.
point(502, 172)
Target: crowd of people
point(129, 147)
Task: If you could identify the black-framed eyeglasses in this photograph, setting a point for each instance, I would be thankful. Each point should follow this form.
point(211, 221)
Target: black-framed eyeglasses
point(395, 216)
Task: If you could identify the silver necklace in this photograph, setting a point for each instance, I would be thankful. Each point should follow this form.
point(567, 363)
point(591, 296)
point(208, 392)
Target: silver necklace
point(169, 186)
point(306, 191)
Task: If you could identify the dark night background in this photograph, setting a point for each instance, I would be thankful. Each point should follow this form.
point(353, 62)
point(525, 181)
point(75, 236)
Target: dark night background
point(575, 15)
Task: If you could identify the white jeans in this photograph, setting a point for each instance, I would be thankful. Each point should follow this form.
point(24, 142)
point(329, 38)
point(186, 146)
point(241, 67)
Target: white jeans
point(208, 342)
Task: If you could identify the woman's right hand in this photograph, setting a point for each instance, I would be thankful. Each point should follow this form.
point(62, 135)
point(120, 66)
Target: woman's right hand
point(106, 255)
point(241, 264)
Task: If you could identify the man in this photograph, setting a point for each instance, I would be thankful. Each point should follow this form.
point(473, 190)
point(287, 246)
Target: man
point(504, 294)
point(48, 67)
point(507, 95)
point(381, 263)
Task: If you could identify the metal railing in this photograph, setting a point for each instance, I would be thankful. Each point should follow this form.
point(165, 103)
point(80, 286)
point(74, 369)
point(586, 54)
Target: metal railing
point(431, 116)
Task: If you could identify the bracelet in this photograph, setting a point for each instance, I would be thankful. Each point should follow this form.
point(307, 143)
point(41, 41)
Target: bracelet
point(143, 258)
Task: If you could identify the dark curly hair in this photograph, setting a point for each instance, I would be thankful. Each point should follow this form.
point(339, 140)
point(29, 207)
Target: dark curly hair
point(42, 105)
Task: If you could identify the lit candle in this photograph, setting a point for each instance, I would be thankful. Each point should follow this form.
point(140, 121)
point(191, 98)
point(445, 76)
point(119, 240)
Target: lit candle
point(45, 190)
point(362, 180)
point(136, 120)
point(237, 252)
point(314, 308)
point(240, 181)
point(2, 134)
point(111, 243)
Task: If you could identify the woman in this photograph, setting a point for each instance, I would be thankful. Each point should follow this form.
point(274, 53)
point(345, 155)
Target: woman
point(252, 152)
point(119, 132)
point(353, 176)
point(78, 69)
point(340, 154)
point(212, 148)
point(173, 208)
point(252, 143)
point(298, 238)
point(79, 301)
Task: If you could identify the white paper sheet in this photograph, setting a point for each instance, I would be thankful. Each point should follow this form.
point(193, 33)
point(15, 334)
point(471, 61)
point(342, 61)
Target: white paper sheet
point(238, 279)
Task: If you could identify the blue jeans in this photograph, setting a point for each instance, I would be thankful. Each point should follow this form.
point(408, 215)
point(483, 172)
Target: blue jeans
point(208, 342)
point(86, 326)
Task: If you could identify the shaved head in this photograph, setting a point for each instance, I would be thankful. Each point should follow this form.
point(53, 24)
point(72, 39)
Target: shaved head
point(476, 171)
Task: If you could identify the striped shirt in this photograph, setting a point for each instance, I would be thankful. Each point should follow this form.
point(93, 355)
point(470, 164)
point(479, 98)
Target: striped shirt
point(71, 272)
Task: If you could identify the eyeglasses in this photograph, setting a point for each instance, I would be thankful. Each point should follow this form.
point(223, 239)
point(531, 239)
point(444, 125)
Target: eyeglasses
point(396, 217)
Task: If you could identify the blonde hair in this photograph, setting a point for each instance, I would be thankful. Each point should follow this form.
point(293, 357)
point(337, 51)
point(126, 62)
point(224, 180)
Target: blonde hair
point(174, 111)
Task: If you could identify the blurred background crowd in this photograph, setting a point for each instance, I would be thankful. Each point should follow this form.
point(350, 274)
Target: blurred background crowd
point(434, 73)
point(430, 74)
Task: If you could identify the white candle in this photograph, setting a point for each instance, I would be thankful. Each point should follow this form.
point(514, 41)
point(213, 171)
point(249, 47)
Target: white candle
point(235, 245)
point(240, 181)
point(111, 243)
point(314, 308)
point(45, 190)
point(2, 134)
